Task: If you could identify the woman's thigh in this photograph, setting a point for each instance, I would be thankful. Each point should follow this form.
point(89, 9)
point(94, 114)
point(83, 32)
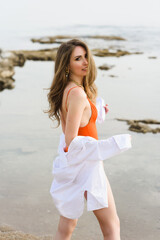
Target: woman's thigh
point(107, 216)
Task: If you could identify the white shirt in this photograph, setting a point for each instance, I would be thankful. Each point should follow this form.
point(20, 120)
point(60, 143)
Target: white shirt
point(81, 169)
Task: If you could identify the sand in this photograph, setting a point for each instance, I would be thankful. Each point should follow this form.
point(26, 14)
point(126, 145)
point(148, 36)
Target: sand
point(29, 145)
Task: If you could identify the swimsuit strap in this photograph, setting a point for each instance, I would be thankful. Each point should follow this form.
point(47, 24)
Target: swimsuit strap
point(68, 94)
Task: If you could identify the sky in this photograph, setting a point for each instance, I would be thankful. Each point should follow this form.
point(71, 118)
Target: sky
point(19, 14)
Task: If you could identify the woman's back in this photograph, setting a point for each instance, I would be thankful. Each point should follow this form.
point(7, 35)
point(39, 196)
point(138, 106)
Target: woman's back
point(87, 126)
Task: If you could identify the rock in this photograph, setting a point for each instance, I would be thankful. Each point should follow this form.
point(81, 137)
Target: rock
point(6, 83)
point(112, 76)
point(106, 67)
point(60, 38)
point(48, 40)
point(10, 59)
point(6, 72)
point(148, 121)
point(107, 53)
point(152, 57)
point(13, 58)
point(107, 37)
point(38, 55)
point(141, 125)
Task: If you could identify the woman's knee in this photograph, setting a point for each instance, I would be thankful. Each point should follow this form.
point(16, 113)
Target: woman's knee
point(113, 228)
point(117, 223)
point(67, 226)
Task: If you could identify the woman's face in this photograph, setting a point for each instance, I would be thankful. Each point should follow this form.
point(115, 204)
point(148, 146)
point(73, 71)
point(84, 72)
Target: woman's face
point(78, 62)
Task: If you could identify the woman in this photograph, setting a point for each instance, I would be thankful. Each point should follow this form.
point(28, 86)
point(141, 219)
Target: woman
point(72, 99)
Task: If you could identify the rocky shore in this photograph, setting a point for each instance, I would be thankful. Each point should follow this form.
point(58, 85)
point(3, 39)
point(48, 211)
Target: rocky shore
point(10, 59)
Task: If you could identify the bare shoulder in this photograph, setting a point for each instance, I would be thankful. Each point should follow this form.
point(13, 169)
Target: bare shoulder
point(76, 99)
point(76, 93)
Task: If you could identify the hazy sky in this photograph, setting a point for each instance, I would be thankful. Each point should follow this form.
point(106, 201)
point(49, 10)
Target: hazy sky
point(38, 13)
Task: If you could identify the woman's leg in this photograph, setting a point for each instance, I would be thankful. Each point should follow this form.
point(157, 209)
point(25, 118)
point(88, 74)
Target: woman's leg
point(65, 228)
point(108, 219)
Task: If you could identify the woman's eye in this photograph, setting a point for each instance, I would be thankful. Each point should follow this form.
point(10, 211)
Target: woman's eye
point(77, 58)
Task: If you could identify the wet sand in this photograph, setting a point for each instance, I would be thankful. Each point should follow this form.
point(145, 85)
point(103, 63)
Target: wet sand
point(29, 145)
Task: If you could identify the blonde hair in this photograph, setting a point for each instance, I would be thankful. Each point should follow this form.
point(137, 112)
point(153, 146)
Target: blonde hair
point(60, 80)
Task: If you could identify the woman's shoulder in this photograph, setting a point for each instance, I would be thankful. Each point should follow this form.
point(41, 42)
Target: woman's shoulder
point(72, 94)
point(74, 91)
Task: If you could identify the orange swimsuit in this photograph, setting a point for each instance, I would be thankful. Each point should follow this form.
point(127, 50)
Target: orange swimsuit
point(90, 129)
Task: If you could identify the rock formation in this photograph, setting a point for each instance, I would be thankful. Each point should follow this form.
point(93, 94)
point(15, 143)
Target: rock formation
point(61, 38)
point(106, 67)
point(10, 59)
point(141, 125)
point(106, 53)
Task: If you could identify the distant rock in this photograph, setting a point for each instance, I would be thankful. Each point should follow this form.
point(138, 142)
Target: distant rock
point(6, 83)
point(54, 39)
point(107, 37)
point(152, 57)
point(106, 67)
point(60, 38)
point(141, 125)
point(7, 64)
point(38, 55)
point(10, 59)
point(7, 72)
point(112, 76)
point(107, 53)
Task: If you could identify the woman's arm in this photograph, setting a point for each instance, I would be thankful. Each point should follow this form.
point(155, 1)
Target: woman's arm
point(76, 105)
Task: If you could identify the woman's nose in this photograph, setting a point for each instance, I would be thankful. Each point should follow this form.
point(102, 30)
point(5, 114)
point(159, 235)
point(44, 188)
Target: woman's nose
point(85, 61)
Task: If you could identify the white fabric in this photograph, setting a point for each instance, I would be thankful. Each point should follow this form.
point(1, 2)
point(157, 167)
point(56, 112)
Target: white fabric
point(81, 169)
point(101, 110)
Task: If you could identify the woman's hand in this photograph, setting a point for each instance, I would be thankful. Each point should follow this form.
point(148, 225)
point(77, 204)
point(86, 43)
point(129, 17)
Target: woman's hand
point(65, 149)
point(106, 108)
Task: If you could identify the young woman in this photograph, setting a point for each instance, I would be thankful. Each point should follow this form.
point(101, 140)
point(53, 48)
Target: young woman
point(72, 99)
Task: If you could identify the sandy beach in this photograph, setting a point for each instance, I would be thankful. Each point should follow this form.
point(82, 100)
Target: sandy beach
point(29, 144)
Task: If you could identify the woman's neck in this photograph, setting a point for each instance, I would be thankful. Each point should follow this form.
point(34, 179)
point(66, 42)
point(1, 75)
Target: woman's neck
point(80, 85)
point(78, 80)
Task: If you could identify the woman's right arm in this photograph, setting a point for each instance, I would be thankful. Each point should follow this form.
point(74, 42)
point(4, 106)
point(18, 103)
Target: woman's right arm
point(76, 105)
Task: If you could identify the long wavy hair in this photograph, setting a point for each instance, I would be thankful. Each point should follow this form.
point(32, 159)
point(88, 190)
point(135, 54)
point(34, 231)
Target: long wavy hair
point(60, 80)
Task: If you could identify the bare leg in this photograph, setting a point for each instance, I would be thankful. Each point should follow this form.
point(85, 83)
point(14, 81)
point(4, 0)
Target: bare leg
point(65, 228)
point(108, 219)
